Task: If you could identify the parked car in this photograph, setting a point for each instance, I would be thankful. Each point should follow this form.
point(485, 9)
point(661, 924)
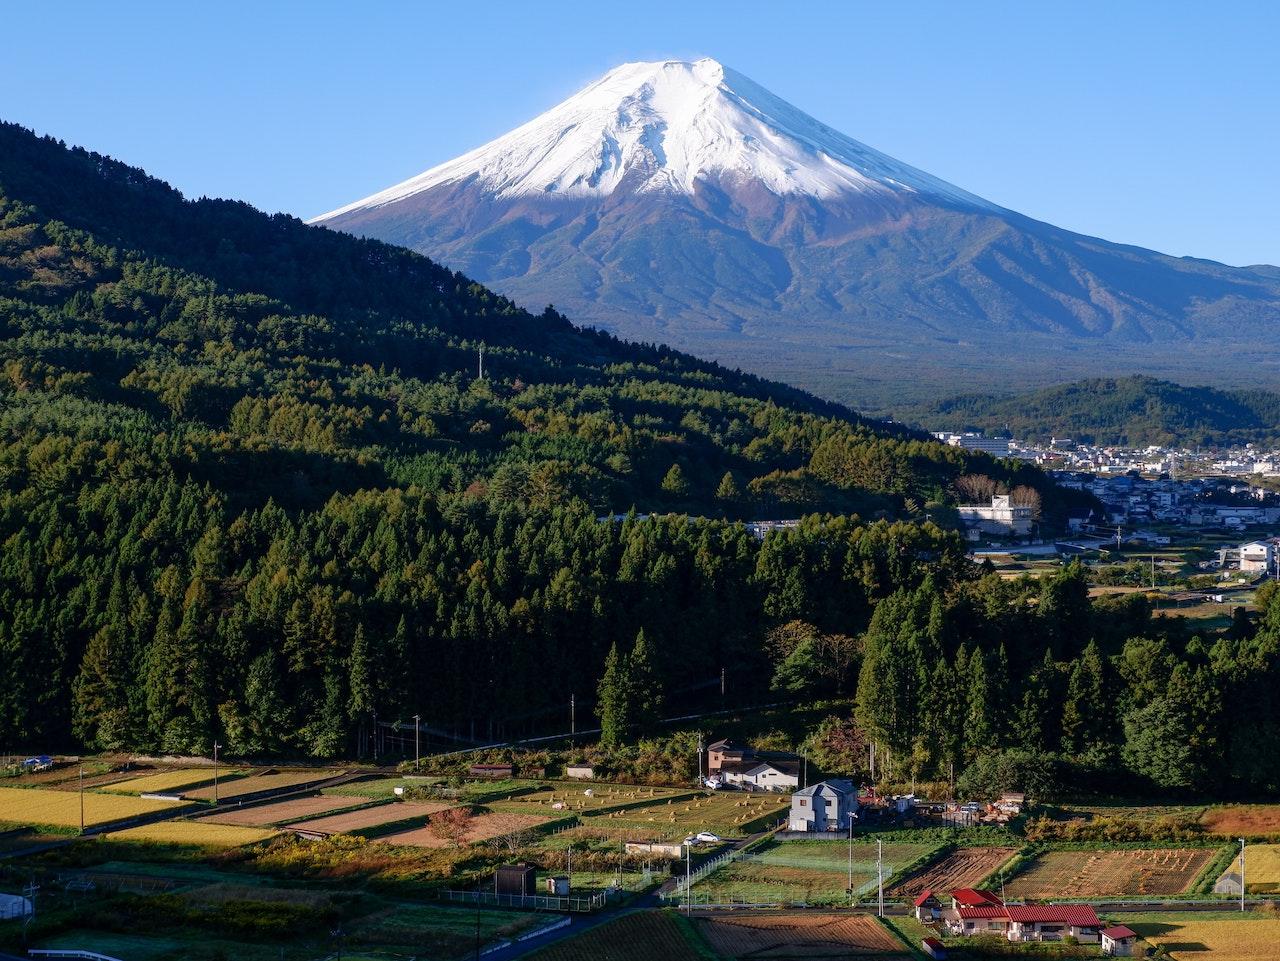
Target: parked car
point(706, 837)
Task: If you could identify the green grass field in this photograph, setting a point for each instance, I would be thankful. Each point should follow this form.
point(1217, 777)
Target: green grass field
point(729, 815)
point(816, 872)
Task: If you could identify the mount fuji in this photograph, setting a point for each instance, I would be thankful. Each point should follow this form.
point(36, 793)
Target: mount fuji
point(681, 202)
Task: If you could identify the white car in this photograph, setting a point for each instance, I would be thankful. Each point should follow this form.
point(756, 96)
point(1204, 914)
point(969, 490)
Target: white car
point(706, 837)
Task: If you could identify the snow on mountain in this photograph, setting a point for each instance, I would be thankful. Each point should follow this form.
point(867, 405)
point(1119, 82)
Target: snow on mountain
point(660, 127)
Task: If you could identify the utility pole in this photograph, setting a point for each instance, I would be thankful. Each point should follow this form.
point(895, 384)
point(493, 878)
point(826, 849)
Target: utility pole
point(573, 714)
point(850, 859)
point(880, 876)
point(82, 797)
point(688, 872)
point(1242, 874)
point(722, 683)
point(417, 728)
point(216, 745)
point(375, 737)
point(481, 362)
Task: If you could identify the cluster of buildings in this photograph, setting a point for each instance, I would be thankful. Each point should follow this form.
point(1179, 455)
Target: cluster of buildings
point(969, 912)
point(739, 766)
point(1194, 502)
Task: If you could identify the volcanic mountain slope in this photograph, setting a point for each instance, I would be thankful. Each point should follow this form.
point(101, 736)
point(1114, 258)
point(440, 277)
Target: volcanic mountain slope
point(682, 202)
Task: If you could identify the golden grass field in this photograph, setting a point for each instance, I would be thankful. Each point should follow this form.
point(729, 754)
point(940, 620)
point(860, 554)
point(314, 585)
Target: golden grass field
point(62, 808)
point(1189, 938)
point(200, 833)
point(1261, 868)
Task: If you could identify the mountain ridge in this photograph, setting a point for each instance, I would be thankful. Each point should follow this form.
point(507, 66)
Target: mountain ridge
point(1132, 412)
point(855, 294)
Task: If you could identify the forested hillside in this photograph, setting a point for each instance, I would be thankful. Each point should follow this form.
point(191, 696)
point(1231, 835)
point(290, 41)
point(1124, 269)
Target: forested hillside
point(1128, 411)
point(252, 486)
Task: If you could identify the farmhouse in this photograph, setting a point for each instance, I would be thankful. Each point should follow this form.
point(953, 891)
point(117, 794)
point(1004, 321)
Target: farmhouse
point(927, 907)
point(725, 751)
point(826, 806)
point(1048, 922)
point(761, 775)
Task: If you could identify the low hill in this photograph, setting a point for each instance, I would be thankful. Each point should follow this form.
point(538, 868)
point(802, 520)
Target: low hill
point(1129, 411)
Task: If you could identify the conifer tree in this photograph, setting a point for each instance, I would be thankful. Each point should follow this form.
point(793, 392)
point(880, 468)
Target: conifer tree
point(615, 701)
point(646, 683)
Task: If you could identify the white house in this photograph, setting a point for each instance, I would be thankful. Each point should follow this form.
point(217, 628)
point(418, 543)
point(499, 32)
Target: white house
point(826, 806)
point(1258, 557)
point(1001, 517)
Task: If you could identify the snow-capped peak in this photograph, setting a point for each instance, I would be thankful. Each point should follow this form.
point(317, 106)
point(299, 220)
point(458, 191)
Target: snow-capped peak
point(660, 127)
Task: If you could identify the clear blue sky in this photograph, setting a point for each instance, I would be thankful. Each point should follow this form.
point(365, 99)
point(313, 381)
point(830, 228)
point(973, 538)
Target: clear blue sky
point(1153, 123)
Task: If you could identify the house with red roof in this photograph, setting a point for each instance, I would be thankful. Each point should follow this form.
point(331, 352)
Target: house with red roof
point(927, 907)
point(974, 898)
point(1119, 941)
point(1030, 922)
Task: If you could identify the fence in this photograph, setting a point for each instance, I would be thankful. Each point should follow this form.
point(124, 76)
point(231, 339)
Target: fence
point(537, 902)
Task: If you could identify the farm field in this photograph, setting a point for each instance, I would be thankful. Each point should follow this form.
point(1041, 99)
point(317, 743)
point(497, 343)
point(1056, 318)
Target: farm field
point(254, 783)
point(1222, 936)
point(1261, 868)
point(801, 936)
point(573, 799)
point(163, 781)
point(644, 936)
point(62, 808)
point(1243, 820)
point(793, 872)
point(729, 815)
point(962, 868)
point(200, 833)
point(481, 827)
point(282, 812)
point(400, 930)
point(1084, 874)
point(372, 817)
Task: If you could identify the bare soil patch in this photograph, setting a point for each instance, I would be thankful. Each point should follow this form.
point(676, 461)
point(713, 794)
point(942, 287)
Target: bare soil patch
point(372, 817)
point(282, 812)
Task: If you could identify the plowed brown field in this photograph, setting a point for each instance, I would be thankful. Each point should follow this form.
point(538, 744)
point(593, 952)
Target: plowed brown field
point(962, 868)
point(282, 812)
point(372, 817)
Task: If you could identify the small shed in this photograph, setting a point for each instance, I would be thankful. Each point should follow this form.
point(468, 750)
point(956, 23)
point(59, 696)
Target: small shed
point(934, 948)
point(558, 886)
point(14, 906)
point(520, 880)
point(580, 772)
point(1119, 941)
point(492, 770)
point(1229, 883)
